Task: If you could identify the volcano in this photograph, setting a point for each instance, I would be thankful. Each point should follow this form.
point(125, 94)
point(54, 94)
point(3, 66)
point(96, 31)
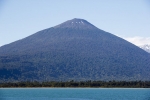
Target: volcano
point(73, 50)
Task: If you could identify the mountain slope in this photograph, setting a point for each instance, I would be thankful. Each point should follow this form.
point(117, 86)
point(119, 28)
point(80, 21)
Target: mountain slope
point(73, 50)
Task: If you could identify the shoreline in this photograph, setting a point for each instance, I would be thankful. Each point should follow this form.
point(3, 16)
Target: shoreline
point(74, 84)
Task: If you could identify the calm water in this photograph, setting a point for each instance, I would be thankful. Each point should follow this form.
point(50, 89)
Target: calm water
point(74, 94)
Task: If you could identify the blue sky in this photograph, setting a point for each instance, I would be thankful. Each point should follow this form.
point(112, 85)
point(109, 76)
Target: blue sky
point(129, 19)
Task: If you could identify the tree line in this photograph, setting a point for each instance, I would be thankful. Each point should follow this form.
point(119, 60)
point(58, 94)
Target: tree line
point(94, 84)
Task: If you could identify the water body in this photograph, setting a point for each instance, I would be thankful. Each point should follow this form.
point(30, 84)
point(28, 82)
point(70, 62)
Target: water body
point(74, 94)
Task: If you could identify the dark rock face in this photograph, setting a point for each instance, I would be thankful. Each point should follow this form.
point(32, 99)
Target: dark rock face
point(73, 50)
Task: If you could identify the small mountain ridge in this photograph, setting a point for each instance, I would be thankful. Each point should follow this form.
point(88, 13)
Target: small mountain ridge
point(146, 47)
point(76, 24)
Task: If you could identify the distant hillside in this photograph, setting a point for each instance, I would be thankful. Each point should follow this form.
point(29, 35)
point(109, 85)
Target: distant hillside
point(146, 47)
point(73, 50)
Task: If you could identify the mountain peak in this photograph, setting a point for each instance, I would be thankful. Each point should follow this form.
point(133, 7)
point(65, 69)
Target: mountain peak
point(74, 50)
point(77, 24)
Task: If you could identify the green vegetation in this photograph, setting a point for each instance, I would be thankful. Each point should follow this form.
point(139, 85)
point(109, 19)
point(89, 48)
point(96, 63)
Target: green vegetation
point(95, 84)
point(79, 53)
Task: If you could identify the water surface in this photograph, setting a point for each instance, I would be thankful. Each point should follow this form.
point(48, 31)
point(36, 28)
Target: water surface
point(74, 94)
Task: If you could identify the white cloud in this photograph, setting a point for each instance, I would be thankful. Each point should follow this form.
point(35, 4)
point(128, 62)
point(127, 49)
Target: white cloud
point(1, 44)
point(138, 40)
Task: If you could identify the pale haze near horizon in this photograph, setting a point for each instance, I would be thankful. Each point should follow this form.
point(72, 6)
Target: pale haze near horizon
point(129, 19)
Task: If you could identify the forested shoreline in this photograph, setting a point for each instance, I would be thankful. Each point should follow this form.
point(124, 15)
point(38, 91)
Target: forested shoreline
point(94, 84)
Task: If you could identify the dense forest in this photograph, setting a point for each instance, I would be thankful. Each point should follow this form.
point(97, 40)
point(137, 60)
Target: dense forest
point(94, 84)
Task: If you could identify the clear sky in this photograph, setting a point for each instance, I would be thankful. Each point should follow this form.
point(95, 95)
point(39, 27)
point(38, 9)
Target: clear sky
point(129, 19)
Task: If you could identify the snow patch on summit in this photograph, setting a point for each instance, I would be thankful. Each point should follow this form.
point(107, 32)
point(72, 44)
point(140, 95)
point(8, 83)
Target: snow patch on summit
point(80, 22)
point(76, 24)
